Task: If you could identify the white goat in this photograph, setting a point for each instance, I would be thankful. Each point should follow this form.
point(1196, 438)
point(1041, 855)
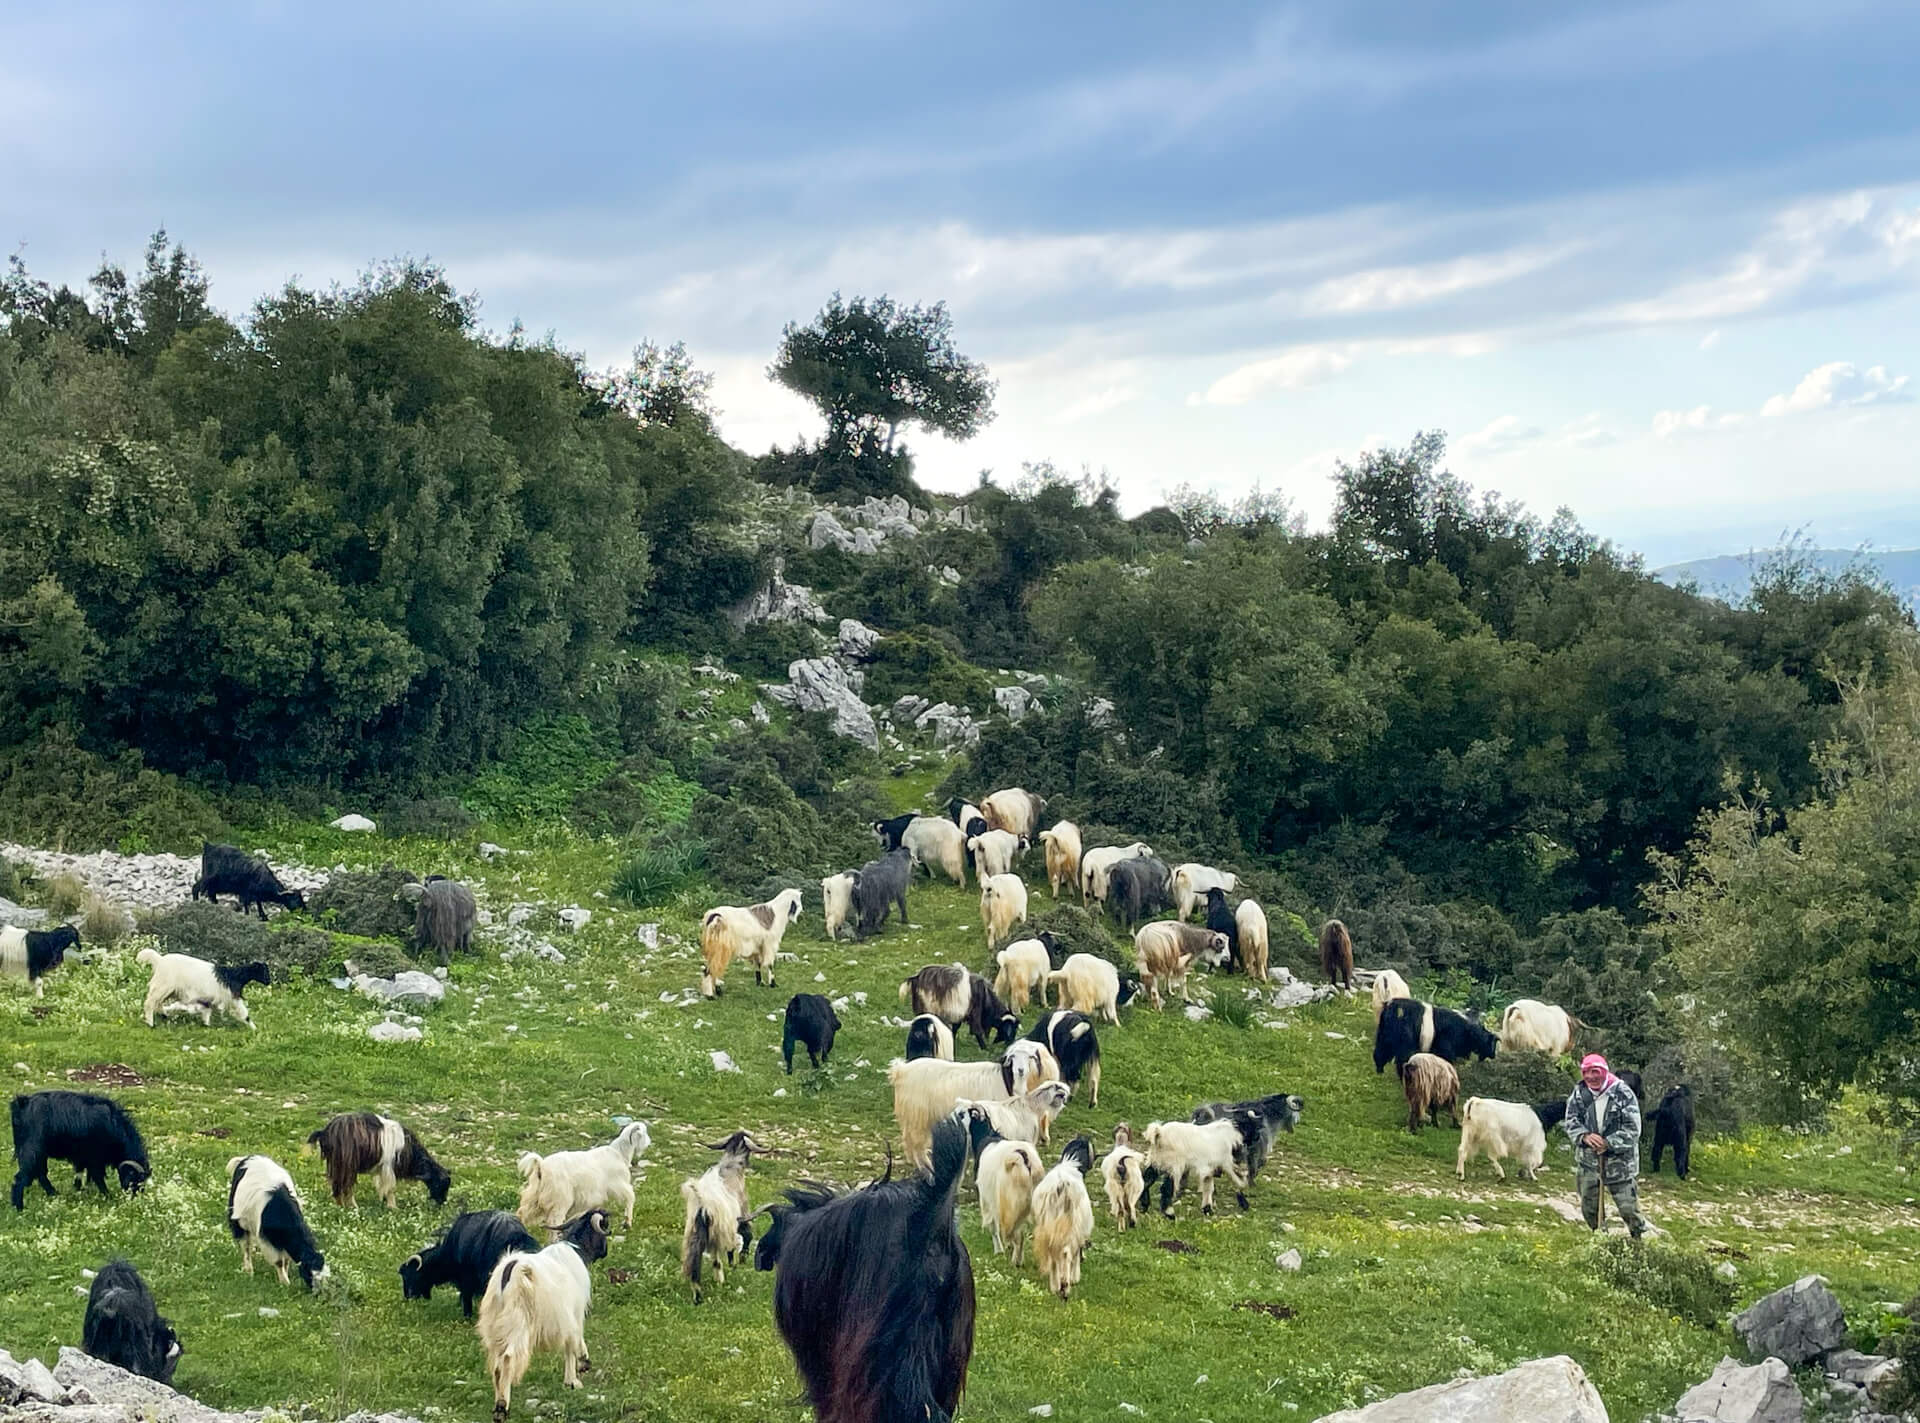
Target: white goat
point(190, 985)
point(716, 1206)
point(538, 1302)
point(936, 842)
point(1026, 1117)
point(994, 853)
point(1003, 903)
point(1387, 986)
point(556, 1188)
point(1191, 883)
point(1063, 1217)
point(1024, 967)
point(1500, 1129)
point(1096, 865)
point(1087, 984)
point(1062, 844)
point(752, 933)
point(836, 902)
point(1529, 1025)
point(1178, 1150)
point(1124, 1170)
point(1250, 923)
point(928, 1089)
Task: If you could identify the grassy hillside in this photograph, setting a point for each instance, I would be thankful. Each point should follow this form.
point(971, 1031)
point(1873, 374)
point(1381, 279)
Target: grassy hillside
point(1408, 1276)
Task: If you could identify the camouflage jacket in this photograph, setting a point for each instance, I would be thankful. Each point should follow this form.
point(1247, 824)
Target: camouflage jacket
point(1621, 1131)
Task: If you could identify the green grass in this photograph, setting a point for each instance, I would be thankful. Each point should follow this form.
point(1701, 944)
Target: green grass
point(1408, 1277)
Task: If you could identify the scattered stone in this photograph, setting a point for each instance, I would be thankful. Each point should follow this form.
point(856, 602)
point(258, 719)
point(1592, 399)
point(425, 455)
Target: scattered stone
point(353, 823)
point(1196, 1013)
point(156, 881)
point(1100, 712)
point(648, 935)
point(1290, 1261)
point(827, 531)
point(722, 1062)
point(37, 1384)
point(856, 641)
point(1554, 1390)
point(491, 851)
point(1294, 994)
point(1726, 1271)
point(761, 715)
point(1041, 1410)
point(575, 919)
point(1016, 702)
point(410, 988)
point(1736, 1393)
point(949, 725)
point(394, 1033)
point(98, 1392)
point(1796, 1325)
point(1873, 1372)
point(822, 684)
point(518, 915)
point(907, 709)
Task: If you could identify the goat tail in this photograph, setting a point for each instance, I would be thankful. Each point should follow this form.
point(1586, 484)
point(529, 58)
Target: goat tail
point(529, 1167)
point(699, 1236)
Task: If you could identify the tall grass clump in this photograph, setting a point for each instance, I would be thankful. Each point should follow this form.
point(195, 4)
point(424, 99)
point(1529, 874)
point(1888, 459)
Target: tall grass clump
point(64, 895)
point(654, 873)
point(104, 922)
point(1232, 1006)
point(1680, 1282)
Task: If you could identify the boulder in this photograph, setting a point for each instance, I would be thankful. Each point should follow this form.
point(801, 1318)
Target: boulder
point(37, 1384)
point(946, 573)
point(1873, 1372)
point(353, 823)
point(1554, 1390)
point(410, 988)
point(948, 724)
point(1016, 702)
point(394, 1033)
point(16, 916)
point(1100, 712)
point(1738, 1393)
point(491, 851)
point(856, 640)
point(1796, 1325)
point(574, 918)
point(906, 708)
point(827, 531)
point(778, 602)
point(897, 528)
point(114, 1388)
point(821, 684)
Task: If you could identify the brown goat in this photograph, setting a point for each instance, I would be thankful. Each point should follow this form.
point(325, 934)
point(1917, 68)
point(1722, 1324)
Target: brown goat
point(1432, 1085)
point(357, 1142)
point(1336, 954)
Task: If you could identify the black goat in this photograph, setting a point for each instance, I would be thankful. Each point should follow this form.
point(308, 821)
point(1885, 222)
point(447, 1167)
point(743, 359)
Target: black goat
point(1220, 919)
point(987, 1016)
point(465, 1255)
point(811, 1022)
point(93, 1133)
point(123, 1326)
point(1138, 889)
point(873, 1292)
point(1552, 1113)
point(1408, 1026)
point(227, 869)
point(888, 832)
point(1673, 1127)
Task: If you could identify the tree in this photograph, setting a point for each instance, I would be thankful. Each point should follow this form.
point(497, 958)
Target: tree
point(873, 366)
point(662, 386)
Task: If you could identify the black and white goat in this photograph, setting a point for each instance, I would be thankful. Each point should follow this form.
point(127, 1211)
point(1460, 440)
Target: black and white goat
point(717, 1226)
point(538, 1302)
point(263, 1212)
point(927, 1036)
point(184, 984)
point(1257, 1120)
point(227, 869)
point(125, 1328)
point(33, 953)
point(811, 1022)
point(92, 1133)
point(464, 1256)
point(1069, 1036)
point(357, 1142)
point(873, 1292)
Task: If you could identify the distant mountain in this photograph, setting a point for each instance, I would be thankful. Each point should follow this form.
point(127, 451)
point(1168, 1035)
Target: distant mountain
point(1731, 575)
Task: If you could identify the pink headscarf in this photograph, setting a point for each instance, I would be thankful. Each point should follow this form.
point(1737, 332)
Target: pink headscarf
point(1593, 1059)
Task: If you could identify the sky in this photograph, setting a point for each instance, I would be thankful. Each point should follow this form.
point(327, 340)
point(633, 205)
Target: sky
point(1658, 263)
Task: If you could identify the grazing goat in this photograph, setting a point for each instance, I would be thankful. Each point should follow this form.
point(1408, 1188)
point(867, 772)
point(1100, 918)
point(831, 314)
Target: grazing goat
point(1006, 1172)
point(185, 984)
point(1336, 954)
point(1123, 1170)
point(878, 887)
point(125, 1328)
point(891, 832)
point(1500, 1129)
point(1257, 1120)
point(1191, 882)
point(1062, 846)
point(928, 1036)
point(936, 842)
point(811, 1022)
point(33, 953)
point(1137, 889)
point(873, 1292)
point(1387, 986)
point(1431, 1086)
point(444, 916)
point(1089, 984)
point(559, 1187)
point(1408, 1026)
point(263, 1212)
point(1673, 1127)
point(927, 1089)
point(717, 1226)
point(1024, 966)
point(355, 1142)
point(1221, 920)
point(1069, 1036)
point(1003, 903)
point(836, 902)
point(955, 995)
point(1632, 1079)
point(1177, 1150)
point(1096, 868)
point(537, 1302)
point(92, 1134)
point(994, 853)
point(1015, 810)
point(464, 1256)
point(227, 869)
point(1063, 1217)
point(1251, 921)
point(752, 933)
point(1164, 954)
point(1529, 1025)
point(1028, 1117)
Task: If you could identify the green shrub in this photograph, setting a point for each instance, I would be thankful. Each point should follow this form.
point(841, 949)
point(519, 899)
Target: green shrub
point(642, 792)
point(13, 880)
point(1078, 933)
point(303, 947)
point(1524, 1077)
point(375, 956)
point(442, 818)
point(1676, 1281)
point(366, 903)
point(653, 874)
point(1230, 1003)
point(63, 895)
point(212, 932)
point(765, 649)
point(54, 792)
point(552, 761)
point(924, 661)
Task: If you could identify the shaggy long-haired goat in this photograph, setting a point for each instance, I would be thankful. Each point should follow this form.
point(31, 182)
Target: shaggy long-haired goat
point(717, 1227)
point(1063, 1217)
point(357, 1142)
point(873, 1292)
point(559, 1187)
point(124, 1327)
point(539, 1302)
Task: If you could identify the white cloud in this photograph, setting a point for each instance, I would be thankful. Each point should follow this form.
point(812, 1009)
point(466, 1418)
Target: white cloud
point(1390, 288)
point(1304, 365)
point(1710, 340)
point(1098, 403)
point(1699, 420)
point(1501, 436)
point(1587, 433)
point(1839, 383)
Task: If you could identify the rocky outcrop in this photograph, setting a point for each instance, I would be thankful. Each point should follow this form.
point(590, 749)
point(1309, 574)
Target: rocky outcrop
point(822, 684)
point(778, 602)
point(948, 724)
point(1796, 1325)
point(17, 916)
point(82, 1389)
point(1554, 1390)
point(856, 640)
point(1739, 1393)
point(151, 881)
point(1016, 702)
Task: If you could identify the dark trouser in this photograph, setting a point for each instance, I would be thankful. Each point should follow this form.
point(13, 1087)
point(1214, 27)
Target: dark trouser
point(1626, 1199)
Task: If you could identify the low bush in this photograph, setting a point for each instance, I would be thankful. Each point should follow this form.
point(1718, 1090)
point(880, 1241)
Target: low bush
point(442, 818)
point(926, 662)
point(365, 903)
point(212, 932)
point(765, 650)
point(54, 792)
point(1230, 1003)
point(643, 793)
point(303, 947)
point(104, 922)
point(63, 895)
point(1898, 1339)
point(1675, 1281)
point(1524, 1077)
point(378, 957)
point(1078, 933)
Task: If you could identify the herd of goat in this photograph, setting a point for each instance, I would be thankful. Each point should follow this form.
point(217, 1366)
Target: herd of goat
point(873, 1288)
